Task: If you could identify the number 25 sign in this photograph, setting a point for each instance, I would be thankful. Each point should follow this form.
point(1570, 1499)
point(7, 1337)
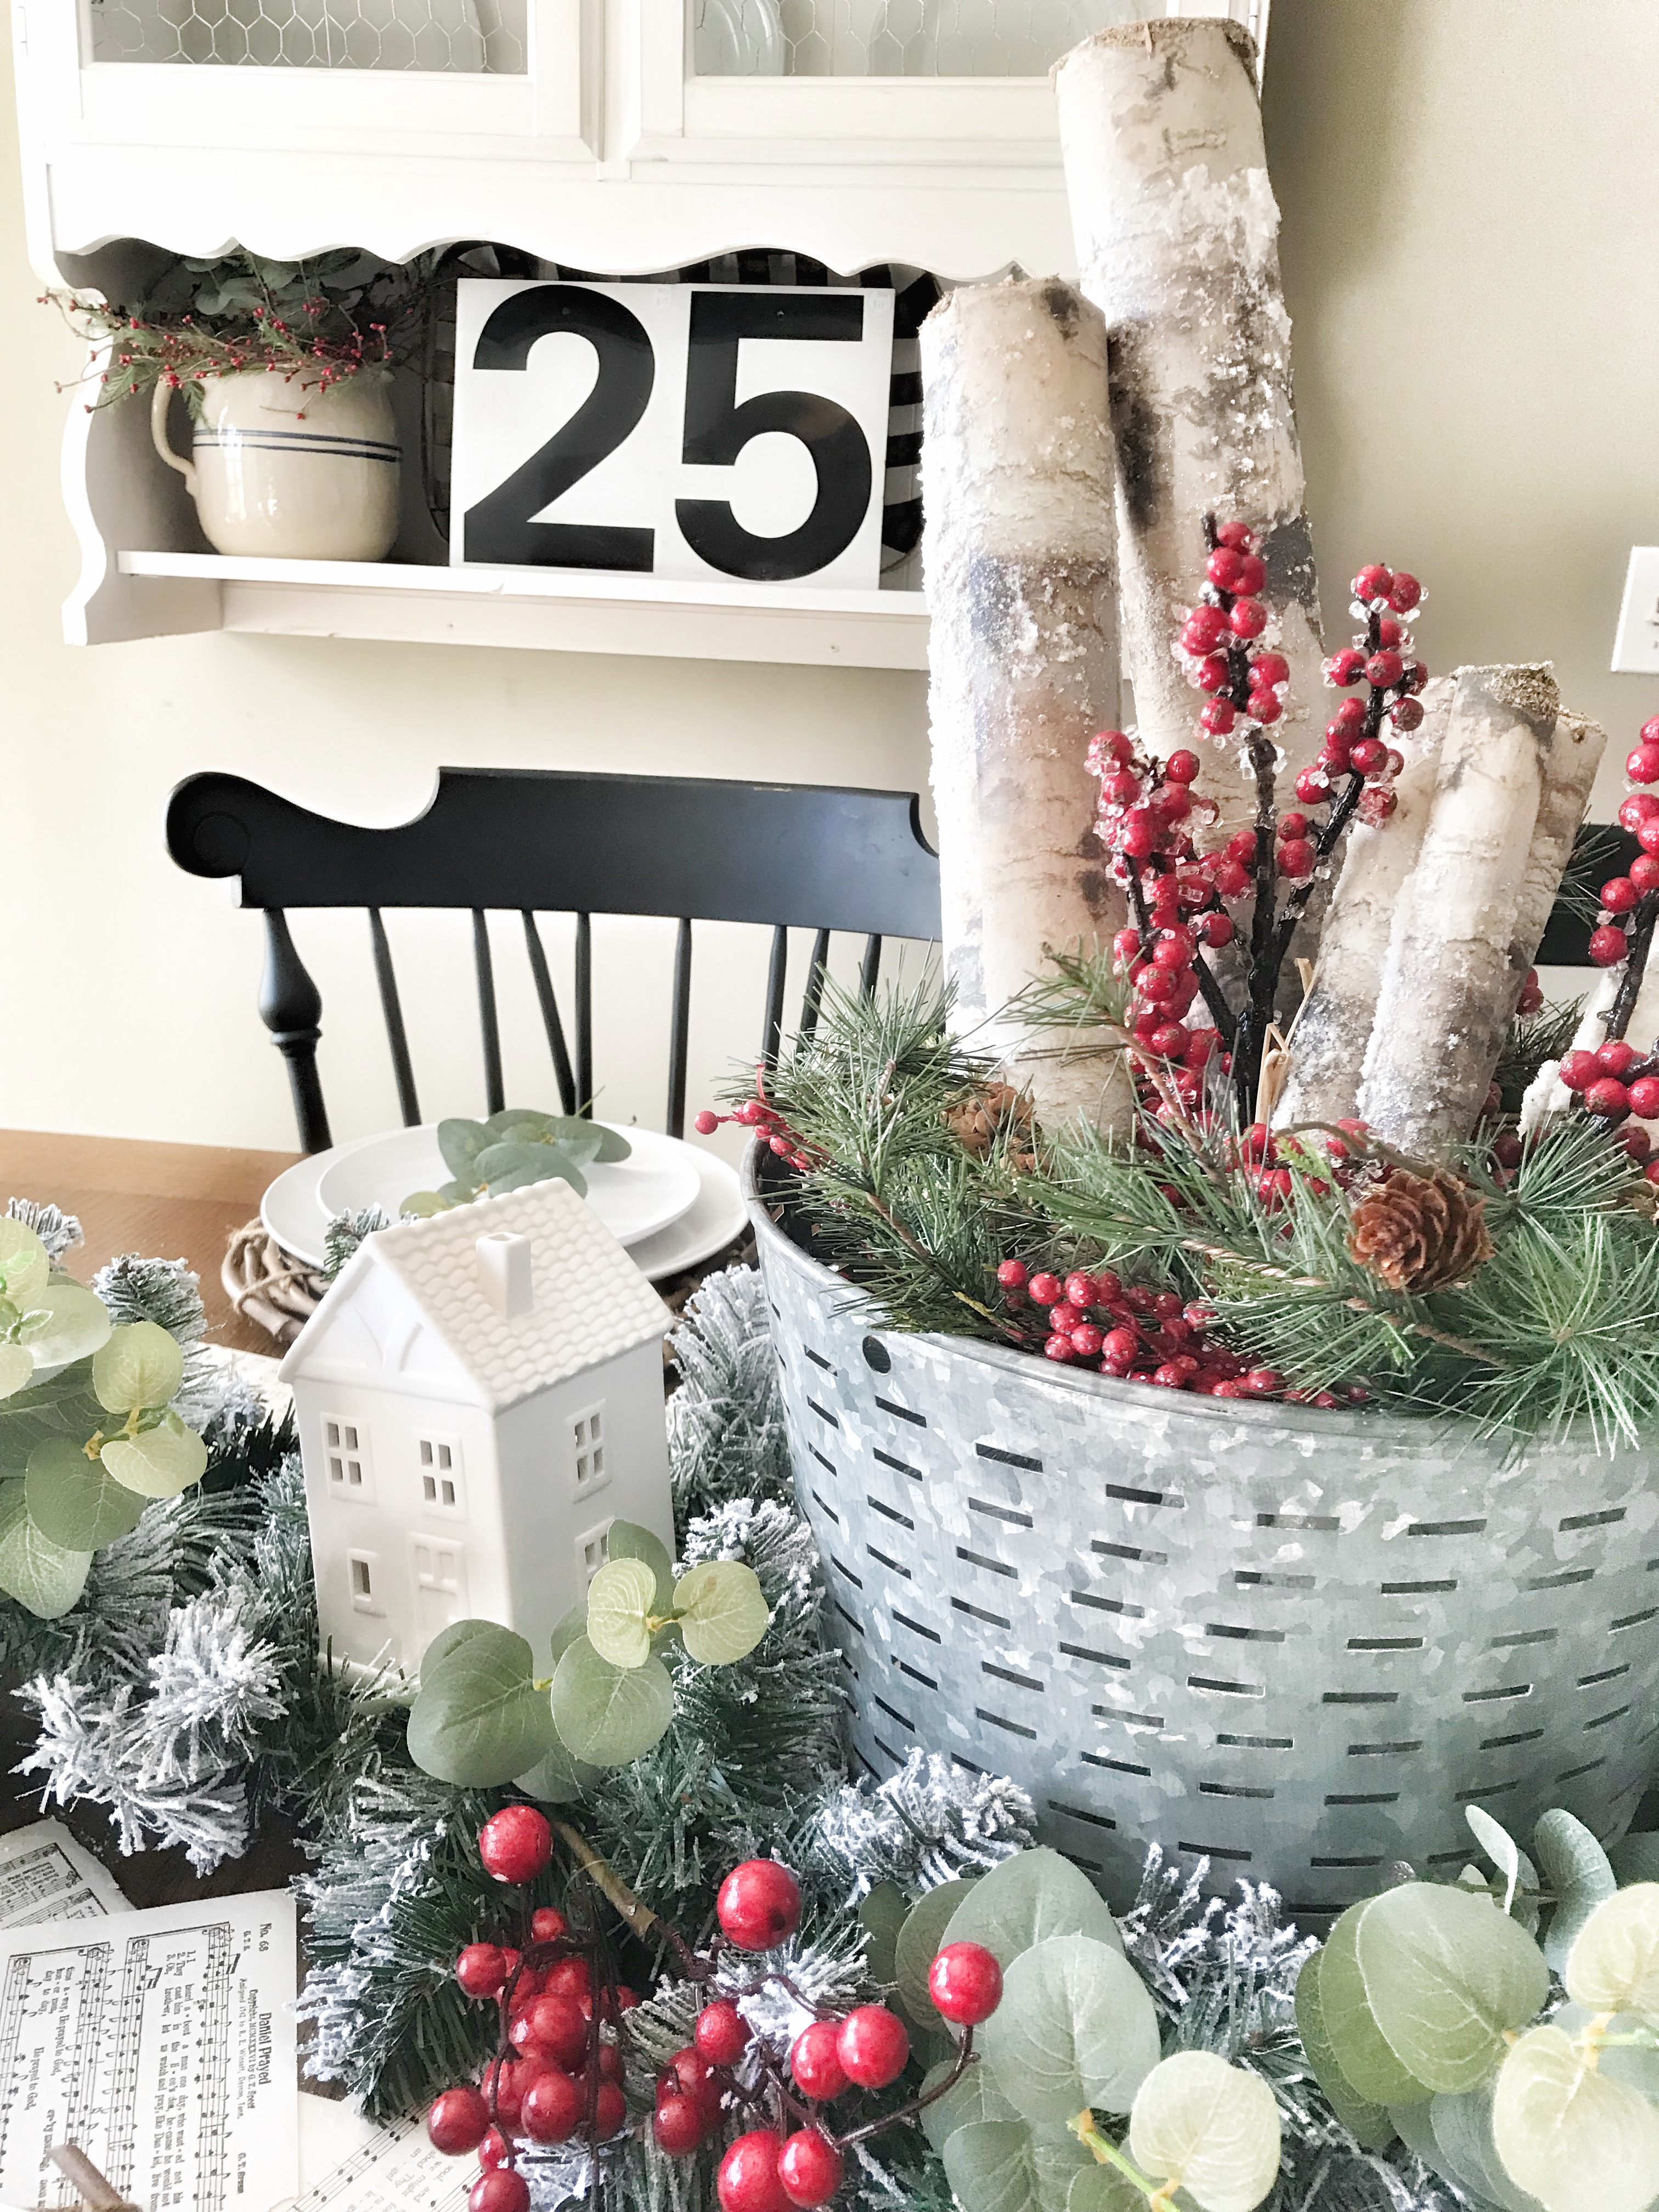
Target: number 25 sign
point(684, 430)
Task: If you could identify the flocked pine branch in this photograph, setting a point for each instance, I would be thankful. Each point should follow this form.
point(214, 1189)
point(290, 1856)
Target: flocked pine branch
point(58, 1232)
point(727, 1438)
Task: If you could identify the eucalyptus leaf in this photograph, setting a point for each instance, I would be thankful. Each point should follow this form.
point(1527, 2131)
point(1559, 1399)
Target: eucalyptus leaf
point(423, 1204)
point(460, 1143)
point(1104, 2189)
point(619, 1600)
point(1579, 1873)
point(75, 1501)
point(158, 1462)
point(1075, 2028)
point(66, 1322)
point(1636, 1859)
point(572, 1627)
point(1462, 2150)
point(1360, 2048)
point(612, 1145)
point(556, 1778)
point(1500, 1846)
point(512, 1166)
point(1006, 2166)
point(16, 1369)
point(46, 1578)
point(479, 1718)
point(629, 1541)
point(723, 1612)
point(581, 1145)
point(1573, 2137)
point(882, 1913)
point(919, 1943)
point(1211, 2127)
point(609, 1715)
point(25, 1264)
point(139, 1368)
point(1614, 1964)
point(1447, 1977)
point(60, 1406)
point(976, 2097)
point(1368, 2123)
point(1028, 1898)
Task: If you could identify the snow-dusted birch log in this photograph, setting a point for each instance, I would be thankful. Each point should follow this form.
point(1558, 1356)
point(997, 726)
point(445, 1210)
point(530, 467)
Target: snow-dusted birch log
point(1177, 232)
point(1569, 767)
point(1328, 1045)
point(1018, 558)
point(1450, 983)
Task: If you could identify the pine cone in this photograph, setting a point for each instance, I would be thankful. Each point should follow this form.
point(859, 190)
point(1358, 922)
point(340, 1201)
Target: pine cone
point(1420, 1233)
point(980, 1116)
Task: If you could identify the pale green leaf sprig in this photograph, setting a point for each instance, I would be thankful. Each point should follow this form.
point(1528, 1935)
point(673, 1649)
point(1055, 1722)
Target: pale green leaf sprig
point(483, 1717)
point(1076, 2036)
point(1420, 2016)
point(515, 1147)
point(46, 1318)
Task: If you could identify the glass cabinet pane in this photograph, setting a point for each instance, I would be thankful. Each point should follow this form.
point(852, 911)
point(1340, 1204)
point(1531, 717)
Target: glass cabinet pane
point(462, 37)
point(896, 37)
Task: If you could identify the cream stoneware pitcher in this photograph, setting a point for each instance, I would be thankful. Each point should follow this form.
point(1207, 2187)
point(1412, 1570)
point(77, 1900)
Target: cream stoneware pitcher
point(281, 469)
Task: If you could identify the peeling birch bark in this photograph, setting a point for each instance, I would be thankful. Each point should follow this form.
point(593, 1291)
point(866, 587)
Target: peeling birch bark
point(1022, 589)
point(1569, 767)
point(1177, 232)
point(1450, 983)
point(1328, 1045)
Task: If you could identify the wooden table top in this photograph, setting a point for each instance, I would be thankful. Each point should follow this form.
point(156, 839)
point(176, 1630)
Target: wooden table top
point(168, 1201)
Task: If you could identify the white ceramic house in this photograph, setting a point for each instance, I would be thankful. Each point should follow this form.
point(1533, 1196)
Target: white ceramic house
point(479, 1396)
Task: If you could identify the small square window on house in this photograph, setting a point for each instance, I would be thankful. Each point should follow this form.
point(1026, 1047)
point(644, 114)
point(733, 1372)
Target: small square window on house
point(346, 1458)
point(363, 1574)
point(592, 1549)
point(441, 1488)
point(587, 1449)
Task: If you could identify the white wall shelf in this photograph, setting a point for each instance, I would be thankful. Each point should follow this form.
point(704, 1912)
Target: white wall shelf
point(546, 609)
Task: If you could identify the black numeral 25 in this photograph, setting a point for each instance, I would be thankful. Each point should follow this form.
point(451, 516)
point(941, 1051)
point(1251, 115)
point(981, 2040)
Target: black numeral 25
point(499, 527)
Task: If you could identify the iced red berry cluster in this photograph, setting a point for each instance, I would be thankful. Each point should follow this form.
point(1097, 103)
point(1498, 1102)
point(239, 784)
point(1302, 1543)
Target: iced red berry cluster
point(766, 1122)
point(1628, 901)
point(1613, 1084)
point(558, 2074)
point(1095, 1320)
point(1383, 657)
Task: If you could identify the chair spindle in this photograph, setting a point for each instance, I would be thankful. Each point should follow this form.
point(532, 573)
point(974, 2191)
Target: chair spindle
point(773, 1032)
point(550, 1022)
point(680, 1032)
point(585, 1015)
point(490, 1028)
point(869, 966)
point(291, 1008)
point(812, 996)
point(391, 1007)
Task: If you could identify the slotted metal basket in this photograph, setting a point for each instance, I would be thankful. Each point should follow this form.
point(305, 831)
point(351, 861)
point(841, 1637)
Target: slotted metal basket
point(1295, 1643)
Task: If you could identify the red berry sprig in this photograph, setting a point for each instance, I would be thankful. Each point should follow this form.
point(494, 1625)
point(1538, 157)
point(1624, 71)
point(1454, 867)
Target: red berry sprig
point(759, 1115)
point(557, 2074)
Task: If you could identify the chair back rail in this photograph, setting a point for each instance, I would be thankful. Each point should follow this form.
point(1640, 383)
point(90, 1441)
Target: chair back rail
point(546, 840)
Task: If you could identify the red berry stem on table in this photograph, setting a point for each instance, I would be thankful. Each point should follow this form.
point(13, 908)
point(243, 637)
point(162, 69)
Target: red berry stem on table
point(558, 2072)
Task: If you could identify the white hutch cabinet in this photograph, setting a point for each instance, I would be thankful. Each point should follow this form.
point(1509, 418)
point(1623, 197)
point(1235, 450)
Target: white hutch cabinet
point(619, 137)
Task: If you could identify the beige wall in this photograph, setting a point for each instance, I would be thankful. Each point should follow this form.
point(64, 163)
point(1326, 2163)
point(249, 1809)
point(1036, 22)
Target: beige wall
point(1470, 204)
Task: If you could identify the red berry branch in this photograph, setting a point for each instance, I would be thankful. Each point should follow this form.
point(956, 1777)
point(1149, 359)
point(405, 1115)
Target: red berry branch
point(1149, 811)
point(559, 2071)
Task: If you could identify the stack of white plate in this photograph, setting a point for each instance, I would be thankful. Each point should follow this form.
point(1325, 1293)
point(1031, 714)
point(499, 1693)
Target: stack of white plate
point(672, 1204)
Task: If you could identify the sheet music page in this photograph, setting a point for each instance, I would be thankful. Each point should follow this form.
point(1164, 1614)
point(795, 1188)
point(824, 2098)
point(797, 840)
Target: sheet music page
point(44, 1874)
point(395, 2169)
point(163, 2043)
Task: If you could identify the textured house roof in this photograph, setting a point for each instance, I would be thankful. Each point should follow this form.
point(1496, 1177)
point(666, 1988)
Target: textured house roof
point(591, 1302)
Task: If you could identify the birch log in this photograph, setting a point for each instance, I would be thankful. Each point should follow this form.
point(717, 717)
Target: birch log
point(1021, 583)
point(1327, 1044)
point(1177, 232)
point(1569, 767)
point(1450, 983)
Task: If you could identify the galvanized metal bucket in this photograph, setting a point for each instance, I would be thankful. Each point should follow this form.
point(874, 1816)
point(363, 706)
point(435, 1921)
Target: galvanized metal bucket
point(1297, 1643)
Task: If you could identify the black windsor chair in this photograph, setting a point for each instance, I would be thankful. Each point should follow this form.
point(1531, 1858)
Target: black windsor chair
point(544, 841)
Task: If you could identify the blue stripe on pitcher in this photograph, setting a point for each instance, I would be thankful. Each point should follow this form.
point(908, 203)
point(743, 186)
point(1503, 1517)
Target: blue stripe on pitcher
point(300, 441)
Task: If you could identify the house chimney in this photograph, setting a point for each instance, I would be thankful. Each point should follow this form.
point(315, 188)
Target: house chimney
point(504, 1273)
